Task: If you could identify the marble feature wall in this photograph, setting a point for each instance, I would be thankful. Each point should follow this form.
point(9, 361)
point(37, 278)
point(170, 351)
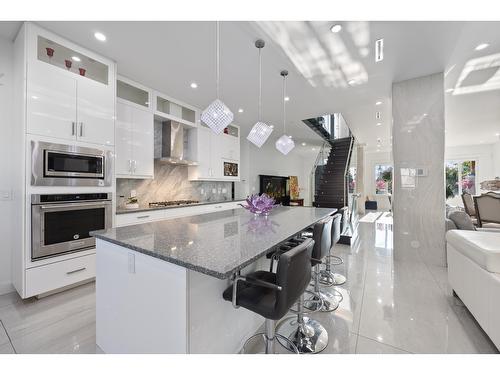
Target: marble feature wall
point(418, 142)
point(171, 183)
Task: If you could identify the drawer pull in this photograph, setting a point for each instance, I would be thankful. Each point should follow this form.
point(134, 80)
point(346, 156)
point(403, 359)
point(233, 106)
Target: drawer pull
point(143, 217)
point(75, 271)
point(218, 206)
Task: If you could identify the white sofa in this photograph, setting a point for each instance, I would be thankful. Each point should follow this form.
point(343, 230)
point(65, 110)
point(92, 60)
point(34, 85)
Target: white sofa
point(474, 275)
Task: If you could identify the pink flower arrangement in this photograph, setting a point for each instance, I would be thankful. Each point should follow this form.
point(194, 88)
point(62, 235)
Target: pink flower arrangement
point(380, 185)
point(467, 184)
point(262, 204)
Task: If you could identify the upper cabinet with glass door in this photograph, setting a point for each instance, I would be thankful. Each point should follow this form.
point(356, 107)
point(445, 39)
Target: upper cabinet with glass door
point(170, 109)
point(70, 90)
point(134, 94)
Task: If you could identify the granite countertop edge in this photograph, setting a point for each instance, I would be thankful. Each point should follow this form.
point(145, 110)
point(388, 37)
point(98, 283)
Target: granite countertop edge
point(190, 266)
point(122, 211)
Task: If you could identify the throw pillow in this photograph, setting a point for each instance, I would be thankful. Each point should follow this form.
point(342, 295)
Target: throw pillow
point(461, 220)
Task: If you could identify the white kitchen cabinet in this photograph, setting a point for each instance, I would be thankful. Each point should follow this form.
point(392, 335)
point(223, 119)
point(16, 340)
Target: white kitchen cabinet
point(51, 103)
point(132, 218)
point(134, 142)
point(212, 151)
point(95, 113)
point(74, 101)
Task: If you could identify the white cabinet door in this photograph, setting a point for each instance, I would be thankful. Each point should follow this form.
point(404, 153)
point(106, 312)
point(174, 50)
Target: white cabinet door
point(216, 144)
point(229, 146)
point(51, 103)
point(123, 148)
point(142, 139)
point(204, 148)
point(96, 103)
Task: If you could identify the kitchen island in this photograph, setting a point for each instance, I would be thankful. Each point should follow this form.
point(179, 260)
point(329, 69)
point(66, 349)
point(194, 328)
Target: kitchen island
point(159, 285)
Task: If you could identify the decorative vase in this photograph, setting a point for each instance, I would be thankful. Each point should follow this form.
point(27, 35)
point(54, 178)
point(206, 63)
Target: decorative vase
point(259, 205)
point(50, 51)
point(82, 71)
point(68, 63)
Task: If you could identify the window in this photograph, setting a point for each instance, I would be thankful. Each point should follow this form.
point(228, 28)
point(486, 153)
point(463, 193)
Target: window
point(383, 179)
point(352, 180)
point(460, 178)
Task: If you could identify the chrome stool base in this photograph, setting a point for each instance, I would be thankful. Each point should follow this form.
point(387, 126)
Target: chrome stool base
point(329, 278)
point(336, 260)
point(308, 337)
point(324, 301)
point(290, 345)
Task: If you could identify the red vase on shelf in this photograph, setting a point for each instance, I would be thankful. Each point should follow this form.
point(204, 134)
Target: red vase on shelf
point(82, 71)
point(50, 51)
point(226, 131)
point(68, 63)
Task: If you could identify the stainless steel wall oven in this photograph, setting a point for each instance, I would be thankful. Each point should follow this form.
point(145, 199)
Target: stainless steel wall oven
point(60, 223)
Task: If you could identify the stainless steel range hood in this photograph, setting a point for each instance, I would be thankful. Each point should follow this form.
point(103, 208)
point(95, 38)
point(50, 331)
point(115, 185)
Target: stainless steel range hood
point(172, 144)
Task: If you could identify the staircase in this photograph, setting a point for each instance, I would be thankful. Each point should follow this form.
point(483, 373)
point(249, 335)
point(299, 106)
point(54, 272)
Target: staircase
point(331, 189)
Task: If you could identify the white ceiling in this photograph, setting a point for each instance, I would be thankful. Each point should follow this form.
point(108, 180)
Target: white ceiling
point(168, 56)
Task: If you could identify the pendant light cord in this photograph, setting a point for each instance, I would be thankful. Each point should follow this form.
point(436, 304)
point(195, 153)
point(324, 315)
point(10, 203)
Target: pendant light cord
point(284, 103)
point(217, 60)
point(260, 84)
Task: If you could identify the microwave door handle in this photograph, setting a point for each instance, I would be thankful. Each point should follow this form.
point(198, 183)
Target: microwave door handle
point(81, 129)
point(73, 128)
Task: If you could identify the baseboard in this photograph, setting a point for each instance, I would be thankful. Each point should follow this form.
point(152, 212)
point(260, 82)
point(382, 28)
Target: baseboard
point(6, 287)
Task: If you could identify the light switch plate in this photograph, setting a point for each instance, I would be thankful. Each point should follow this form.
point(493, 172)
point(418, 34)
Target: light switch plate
point(5, 195)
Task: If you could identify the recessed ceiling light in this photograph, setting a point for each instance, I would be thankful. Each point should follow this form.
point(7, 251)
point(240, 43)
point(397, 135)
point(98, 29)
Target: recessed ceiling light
point(100, 36)
point(497, 134)
point(304, 143)
point(378, 145)
point(351, 82)
point(378, 103)
point(449, 90)
point(336, 28)
point(287, 98)
point(313, 149)
point(379, 123)
point(194, 85)
point(481, 46)
point(76, 58)
point(240, 110)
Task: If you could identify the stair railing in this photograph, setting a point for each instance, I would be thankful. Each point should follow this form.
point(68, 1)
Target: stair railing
point(320, 161)
point(346, 176)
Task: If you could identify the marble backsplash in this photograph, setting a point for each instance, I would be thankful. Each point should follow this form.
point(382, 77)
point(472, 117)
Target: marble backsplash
point(171, 183)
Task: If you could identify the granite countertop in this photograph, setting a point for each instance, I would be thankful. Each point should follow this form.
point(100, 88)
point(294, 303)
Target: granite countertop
point(217, 244)
point(120, 211)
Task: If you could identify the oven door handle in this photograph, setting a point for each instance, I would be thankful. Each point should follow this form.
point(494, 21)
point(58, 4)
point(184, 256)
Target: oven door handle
point(73, 205)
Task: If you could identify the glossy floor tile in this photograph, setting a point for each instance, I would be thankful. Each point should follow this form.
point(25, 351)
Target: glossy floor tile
point(393, 303)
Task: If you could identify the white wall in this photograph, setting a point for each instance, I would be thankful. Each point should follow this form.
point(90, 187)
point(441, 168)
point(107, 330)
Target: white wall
point(6, 121)
point(267, 160)
point(483, 154)
point(496, 159)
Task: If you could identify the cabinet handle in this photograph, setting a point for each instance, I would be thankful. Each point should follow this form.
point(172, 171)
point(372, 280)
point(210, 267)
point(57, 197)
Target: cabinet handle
point(130, 166)
point(135, 165)
point(73, 128)
point(81, 129)
point(75, 271)
point(143, 217)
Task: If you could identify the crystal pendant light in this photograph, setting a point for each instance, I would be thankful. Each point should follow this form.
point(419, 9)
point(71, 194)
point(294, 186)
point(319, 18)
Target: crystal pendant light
point(217, 116)
point(285, 143)
point(260, 131)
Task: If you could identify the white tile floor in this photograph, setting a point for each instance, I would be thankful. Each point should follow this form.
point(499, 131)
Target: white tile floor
point(389, 306)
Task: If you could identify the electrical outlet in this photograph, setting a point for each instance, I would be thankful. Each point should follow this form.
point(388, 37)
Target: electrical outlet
point(131, 263)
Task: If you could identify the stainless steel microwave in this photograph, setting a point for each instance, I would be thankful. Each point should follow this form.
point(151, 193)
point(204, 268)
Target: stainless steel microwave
point(55, 164)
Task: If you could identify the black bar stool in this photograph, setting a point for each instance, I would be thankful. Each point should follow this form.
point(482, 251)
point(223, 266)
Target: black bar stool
point(322, 300)
point(272, 294)
point(327, 276)
point(307, 334)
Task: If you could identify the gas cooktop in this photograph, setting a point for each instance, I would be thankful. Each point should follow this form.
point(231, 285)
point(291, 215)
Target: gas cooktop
point(172, 203)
